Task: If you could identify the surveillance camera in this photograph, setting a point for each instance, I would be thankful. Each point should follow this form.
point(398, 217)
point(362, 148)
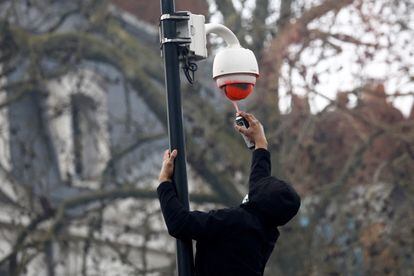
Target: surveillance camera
point(235, 71)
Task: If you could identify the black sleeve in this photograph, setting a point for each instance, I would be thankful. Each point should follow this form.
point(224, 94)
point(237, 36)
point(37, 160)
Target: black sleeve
point(184, 224)
point(261, 166)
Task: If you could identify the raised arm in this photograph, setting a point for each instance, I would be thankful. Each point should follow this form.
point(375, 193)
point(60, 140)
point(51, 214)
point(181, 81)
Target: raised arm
point(261, 166)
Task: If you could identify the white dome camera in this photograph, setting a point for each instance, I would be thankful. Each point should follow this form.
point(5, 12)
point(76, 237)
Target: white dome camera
point(235, 69)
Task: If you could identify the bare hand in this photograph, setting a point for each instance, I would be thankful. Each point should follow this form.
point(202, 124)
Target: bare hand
point(255, 132)
point(167, 168)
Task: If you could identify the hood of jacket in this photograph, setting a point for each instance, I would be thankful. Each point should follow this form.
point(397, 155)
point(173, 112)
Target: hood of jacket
point(273, 200)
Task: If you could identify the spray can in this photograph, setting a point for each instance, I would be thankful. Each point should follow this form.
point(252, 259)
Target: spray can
point(240, 121)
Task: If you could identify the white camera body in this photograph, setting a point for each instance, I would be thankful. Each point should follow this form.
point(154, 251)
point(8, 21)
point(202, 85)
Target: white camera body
point(234, 65)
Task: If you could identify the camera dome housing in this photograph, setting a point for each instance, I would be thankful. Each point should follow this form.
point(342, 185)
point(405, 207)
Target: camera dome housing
point(235, 71)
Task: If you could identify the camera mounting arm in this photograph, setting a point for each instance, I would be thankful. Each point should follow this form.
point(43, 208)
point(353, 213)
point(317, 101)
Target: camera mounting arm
point(191, 34)
point(224, 32)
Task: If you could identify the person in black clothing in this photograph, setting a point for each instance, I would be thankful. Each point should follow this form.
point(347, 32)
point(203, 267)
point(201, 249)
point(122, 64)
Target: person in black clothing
point(233, 241)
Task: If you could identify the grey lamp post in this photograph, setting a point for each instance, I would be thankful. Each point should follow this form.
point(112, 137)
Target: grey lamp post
point(170, 51)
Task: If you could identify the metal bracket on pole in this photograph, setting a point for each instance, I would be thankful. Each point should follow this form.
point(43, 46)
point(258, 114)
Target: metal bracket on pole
point(190, 34)
point(177, 17)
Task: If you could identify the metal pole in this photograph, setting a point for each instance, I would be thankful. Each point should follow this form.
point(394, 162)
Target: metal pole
point(185, 263)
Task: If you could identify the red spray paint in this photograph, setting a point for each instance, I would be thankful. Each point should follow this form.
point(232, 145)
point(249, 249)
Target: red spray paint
point(236, 106)
point(237, 91)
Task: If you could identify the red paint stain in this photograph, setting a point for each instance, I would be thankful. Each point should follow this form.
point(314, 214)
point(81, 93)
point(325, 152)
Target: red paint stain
point(237, 91)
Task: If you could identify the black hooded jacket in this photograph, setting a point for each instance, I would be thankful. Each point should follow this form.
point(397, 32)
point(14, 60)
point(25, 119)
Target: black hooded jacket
point(234, 241)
